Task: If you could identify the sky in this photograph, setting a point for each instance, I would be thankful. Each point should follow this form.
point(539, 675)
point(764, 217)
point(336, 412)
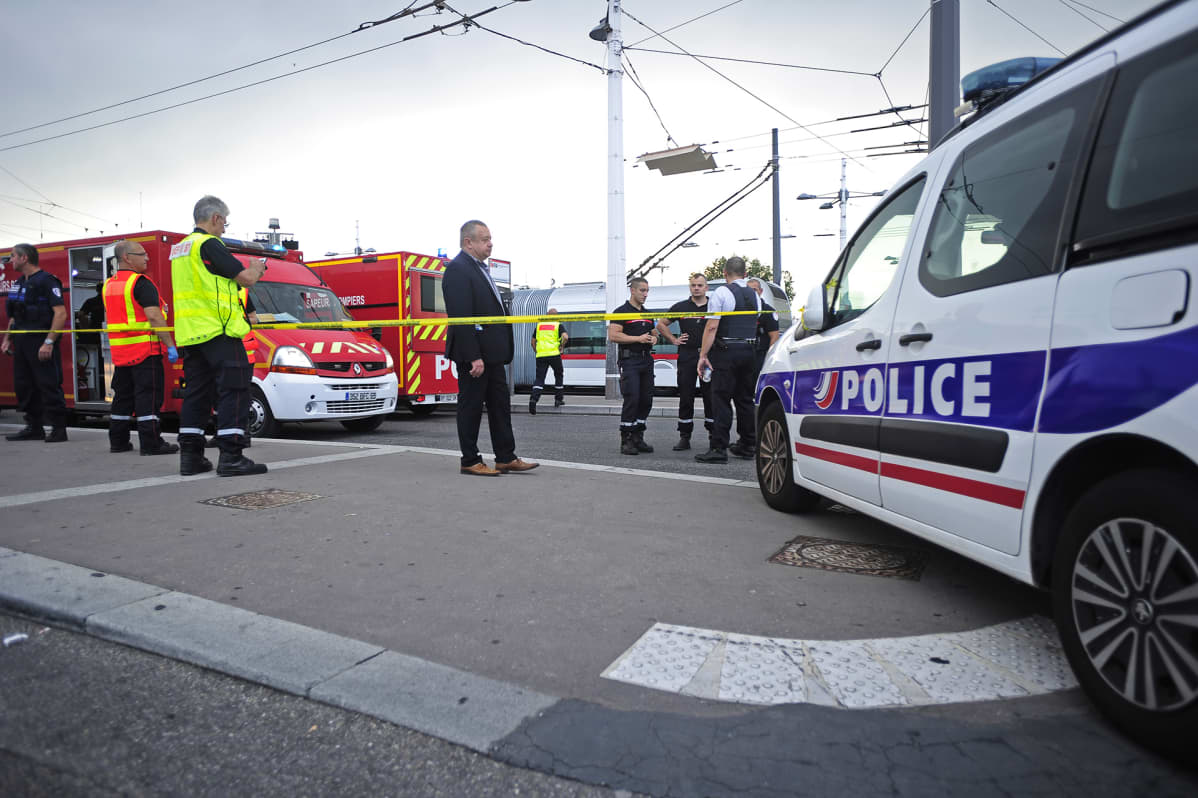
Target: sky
point(405, 143)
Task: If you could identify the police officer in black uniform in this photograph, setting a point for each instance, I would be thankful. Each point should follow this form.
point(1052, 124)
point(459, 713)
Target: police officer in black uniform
point(635, 338)
point(688, 341)
point(35, 303)
point(729, 348)
point(767, 328)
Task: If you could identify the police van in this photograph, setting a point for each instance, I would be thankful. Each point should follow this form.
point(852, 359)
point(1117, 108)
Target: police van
point(1004, 360)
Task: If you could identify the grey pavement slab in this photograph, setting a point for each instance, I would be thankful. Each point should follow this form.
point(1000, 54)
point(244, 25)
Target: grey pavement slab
point(266, 650)
point(38, 586)
point(451, 704)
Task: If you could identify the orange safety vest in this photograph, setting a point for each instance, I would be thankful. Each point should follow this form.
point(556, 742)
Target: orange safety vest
point(129, 347)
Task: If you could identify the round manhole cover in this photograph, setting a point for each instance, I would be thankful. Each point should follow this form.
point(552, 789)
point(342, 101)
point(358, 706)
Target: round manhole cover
point(848, 555)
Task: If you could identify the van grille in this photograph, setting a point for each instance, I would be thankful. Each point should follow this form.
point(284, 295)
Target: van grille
point(356, 386)
point(346, 365)
point(354, 408)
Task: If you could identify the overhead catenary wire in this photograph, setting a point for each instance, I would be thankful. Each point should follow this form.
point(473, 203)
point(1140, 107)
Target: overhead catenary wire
point(769, 105)
point(636, 81)
point(689, 21)
point(1099, 11)
point(922, 16)
point(464, 20)
point(1084, 15)
point(1025, 27)
point(747, 60)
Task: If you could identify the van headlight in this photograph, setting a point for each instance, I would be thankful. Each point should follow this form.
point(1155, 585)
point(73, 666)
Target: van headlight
point(292, 360)
point(390, 360)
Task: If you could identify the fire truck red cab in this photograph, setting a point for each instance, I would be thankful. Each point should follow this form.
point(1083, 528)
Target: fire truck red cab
point(299, 374)
point(395, 286)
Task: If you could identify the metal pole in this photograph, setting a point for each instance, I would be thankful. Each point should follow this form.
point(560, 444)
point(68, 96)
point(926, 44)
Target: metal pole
point(616, 268)
point(777, 215)
point(944, 69)
point(844, 205)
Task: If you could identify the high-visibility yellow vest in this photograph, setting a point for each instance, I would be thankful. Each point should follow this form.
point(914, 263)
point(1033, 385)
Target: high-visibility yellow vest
point(133, 346)
point(549, 342)
point(206, 305)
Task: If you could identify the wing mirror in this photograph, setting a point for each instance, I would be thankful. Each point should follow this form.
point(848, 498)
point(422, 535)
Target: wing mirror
point(813, 313)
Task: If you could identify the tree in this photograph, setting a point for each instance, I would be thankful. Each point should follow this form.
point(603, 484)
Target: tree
point(753, 268)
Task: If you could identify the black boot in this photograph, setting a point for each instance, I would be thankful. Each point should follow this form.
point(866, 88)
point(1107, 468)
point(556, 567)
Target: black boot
point(638, 440)
point(57, 435)
point(559, 401)
point(532, 406)
point(191, 458)
point(627, 446)
point(713, 455)
point(29, 433)
point(149, 439)
point(118, 435)
point(742, 450)
point(237, 465)
point(684, 441)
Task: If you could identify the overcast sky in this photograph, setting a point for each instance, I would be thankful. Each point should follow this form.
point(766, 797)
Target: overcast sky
point(414, 139)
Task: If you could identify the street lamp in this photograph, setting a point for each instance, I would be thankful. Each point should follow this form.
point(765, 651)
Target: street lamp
point(840, 198)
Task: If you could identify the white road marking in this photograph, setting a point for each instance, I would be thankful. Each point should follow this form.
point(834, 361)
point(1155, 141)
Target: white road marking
point(1017, 658)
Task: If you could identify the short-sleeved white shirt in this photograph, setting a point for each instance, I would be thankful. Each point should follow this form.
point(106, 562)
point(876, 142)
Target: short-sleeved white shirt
point(721, 300)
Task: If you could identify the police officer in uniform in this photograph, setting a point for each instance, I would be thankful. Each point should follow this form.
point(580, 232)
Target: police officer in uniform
point(548, 341)
point(210, 322)
point(35, 303)
point(767, 328)
point(635, 338)
point(729, 348)
point(138, 384)
point(688, 341)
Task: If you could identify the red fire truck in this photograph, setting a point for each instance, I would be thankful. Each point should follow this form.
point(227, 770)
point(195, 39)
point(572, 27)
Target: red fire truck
point(393, 286)
point(299, 375)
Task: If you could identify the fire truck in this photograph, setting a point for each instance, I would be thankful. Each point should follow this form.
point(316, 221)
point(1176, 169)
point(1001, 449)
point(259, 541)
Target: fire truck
point(299, 374)
point(395, 286)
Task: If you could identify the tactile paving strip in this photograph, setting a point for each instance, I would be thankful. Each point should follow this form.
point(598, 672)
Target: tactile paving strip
point(1018, 658)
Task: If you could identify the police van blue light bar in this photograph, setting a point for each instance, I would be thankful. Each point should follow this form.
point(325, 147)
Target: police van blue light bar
point(987, 83)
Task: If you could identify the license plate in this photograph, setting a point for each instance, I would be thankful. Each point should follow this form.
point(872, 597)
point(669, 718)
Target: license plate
point(359, 396)
point(447, 397)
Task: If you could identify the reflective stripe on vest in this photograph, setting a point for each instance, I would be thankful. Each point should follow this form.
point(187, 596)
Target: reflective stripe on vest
point(549, 342)
point(206, 304)
point(133, 346)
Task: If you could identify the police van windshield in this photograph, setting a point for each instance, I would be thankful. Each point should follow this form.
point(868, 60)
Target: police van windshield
point(287, 302)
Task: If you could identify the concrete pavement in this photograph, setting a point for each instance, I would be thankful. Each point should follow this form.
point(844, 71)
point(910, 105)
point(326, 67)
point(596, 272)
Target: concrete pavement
point(485, 612)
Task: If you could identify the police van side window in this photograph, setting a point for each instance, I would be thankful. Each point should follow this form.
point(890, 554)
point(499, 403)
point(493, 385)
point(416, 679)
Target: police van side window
point(999, 211)
point(869, 262)
point(1144, 174)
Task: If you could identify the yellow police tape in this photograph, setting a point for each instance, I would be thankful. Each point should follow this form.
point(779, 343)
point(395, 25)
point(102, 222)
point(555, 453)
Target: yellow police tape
point(439, 322)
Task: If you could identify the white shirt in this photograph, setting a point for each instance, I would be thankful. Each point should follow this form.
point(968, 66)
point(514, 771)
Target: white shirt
point(721, 300)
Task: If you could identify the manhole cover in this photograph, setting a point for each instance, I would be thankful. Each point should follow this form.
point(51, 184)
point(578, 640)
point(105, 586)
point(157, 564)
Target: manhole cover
point(870, 559)
point(262, 499)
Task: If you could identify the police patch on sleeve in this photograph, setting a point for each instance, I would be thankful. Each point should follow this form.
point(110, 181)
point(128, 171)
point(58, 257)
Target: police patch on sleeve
point(56, 292)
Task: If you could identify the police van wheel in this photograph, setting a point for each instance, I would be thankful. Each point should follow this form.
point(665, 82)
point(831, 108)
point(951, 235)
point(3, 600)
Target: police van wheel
point(775, 469)
point(1125, 596)
point(368, 424)
point(261, 422)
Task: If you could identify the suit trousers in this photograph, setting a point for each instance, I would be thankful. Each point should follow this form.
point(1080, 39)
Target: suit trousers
point(732, 382)
point(688, 376)
point(489, 389)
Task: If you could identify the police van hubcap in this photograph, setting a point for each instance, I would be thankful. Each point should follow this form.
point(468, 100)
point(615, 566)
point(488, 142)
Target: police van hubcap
point(1135, 606)
point(772, 457)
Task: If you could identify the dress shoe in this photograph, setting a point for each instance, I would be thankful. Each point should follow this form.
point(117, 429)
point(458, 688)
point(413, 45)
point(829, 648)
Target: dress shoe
point(238, 465)
point(740, 450)
point(57, 435)
point(713, 455)
point(480, 469)
point(117, 448)
point(516, 465)
point(163, 448)
point(27, 434)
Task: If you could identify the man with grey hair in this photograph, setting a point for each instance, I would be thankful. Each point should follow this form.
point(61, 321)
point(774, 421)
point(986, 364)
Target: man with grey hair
point(210, 322)
point(480, 352)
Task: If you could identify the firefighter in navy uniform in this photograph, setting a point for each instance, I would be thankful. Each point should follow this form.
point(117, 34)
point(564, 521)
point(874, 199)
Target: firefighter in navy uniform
point(729, 348)
point(635, 339)
point(35, 303)
point(690, 338)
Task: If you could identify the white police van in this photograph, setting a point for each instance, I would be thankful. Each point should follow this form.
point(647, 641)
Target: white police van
point(1004, 360)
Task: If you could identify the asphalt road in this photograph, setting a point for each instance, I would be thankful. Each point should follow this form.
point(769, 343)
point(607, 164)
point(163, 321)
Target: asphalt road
point(83, 717)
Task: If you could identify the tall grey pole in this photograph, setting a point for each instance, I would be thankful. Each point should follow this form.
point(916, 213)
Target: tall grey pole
point(844, 205)
point(616, 268)
point(944, 69)
point(777, 216)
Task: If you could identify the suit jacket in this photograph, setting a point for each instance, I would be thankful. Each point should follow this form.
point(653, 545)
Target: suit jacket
point(468, 293)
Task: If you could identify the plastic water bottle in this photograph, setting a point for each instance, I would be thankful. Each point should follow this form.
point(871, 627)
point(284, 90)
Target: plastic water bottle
point(706, 375)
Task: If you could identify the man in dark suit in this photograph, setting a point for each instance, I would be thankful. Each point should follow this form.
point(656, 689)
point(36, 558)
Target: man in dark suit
point(480, 352)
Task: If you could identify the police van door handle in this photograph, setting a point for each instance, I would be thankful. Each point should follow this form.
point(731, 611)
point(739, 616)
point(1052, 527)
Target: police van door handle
point(914, 338)
point(872, 343)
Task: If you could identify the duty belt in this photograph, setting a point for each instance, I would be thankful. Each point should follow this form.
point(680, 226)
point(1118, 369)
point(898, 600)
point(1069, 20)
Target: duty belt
point(737, 340)
point(629, 351)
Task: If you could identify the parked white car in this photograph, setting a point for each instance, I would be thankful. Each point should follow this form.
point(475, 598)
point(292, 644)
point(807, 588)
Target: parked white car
point(1004, 360)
